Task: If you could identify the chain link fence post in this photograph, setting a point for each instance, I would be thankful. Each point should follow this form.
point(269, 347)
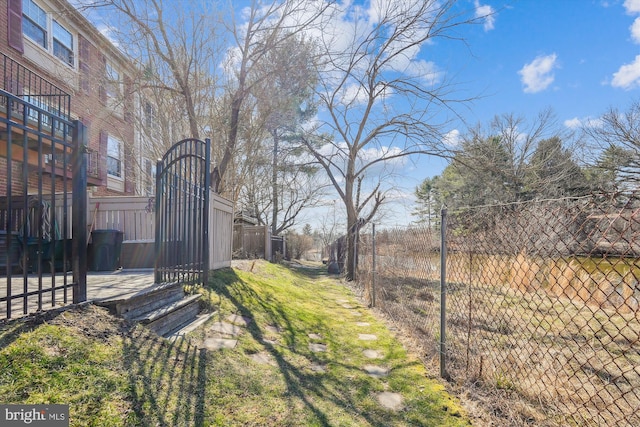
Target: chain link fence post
point(373, 265)
point(443, 292)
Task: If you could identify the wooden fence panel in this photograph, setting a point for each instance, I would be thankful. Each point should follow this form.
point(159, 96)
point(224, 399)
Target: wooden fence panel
point(252, 241)
point(220, 232)
point(134, 216)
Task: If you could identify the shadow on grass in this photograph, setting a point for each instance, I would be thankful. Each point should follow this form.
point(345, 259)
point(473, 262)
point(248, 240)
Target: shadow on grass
point(12, 329)
point(305, 385)
point(162, 382)
point(167, 380)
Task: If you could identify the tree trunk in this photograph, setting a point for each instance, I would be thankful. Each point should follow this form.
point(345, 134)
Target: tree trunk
point(274, 184)
point(350, 262)
point(231, 143)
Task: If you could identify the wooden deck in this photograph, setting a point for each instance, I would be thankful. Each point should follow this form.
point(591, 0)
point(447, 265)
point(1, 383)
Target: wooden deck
point(100, 286)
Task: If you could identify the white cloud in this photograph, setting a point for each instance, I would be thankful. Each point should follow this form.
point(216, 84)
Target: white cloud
point(346, 24)
point(108, 32)
point(587, 122)
point(353, 94)
point(487, 13)
point(593, 123)
point(574, 123)
point(635, 31)
point(426, 70)
point(371, 154)
point(538, 74)
point(632, 6)
point(628, 76)
point(451, 138)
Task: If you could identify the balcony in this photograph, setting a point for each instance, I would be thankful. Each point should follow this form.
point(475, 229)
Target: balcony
point(40, 111)
point(34, 89)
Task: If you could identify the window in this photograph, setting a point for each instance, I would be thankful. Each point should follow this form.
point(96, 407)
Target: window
point(114, 157)
point(42, 103)
point(149, 115)
point(62, 43)
point(34, 23)
point(33, 113)
point(150, 177)
point(112, 86)
point(48, 33)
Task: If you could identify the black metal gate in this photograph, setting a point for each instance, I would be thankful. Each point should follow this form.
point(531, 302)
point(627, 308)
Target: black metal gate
point(182, 213)
point(43, 197)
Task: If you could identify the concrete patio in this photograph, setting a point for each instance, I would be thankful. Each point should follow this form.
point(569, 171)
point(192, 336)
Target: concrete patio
point(101, 286)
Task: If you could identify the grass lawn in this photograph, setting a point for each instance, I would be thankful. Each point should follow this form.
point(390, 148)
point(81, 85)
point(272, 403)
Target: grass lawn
point(115, 374)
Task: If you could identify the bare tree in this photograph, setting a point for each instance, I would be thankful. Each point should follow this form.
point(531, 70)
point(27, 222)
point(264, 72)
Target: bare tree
point(617, 137)
point(175, 48)
point(192, 90)
point(382, 102)
point(511, 160)
point(174, 51)
point(267, 27)
point(286, 104)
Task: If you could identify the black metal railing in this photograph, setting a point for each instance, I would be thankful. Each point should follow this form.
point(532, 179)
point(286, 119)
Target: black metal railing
point(182, 213)
point(42, 212)
point(35, 90)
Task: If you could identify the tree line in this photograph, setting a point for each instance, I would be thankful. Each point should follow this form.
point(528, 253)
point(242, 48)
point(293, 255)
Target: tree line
point(514, 160)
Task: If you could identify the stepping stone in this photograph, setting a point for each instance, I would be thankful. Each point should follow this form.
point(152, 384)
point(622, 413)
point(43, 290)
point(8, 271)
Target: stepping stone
point(270, 342)
point(236, 319)
point(317, 348)
point(356, 313)
point(318, 368)
point(363, 324)
point(219, 343)
point(315, 336)
point(376, 371)
point(273, 329)
point(367, 337)
point(392, 401)
point(226, 328)
point(373, 354)
point(263, 358)
point(342, 301)
point(349, 306)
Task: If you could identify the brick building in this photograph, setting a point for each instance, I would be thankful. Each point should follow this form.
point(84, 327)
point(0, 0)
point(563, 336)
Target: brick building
point(56, 60)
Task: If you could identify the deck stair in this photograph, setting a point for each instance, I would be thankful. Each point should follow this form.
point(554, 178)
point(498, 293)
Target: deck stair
point(163, 308)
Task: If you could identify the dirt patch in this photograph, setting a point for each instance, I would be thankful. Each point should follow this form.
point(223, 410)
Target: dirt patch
point(93, 322)
point(87, 320)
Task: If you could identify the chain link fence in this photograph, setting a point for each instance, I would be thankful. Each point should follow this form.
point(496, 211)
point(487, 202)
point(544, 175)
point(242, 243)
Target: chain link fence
point(541, 303)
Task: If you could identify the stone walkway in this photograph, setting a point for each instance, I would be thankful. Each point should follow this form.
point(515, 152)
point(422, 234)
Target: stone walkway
point(223, 335)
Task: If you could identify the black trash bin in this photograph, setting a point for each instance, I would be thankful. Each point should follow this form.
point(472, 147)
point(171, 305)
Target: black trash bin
point(106, 246)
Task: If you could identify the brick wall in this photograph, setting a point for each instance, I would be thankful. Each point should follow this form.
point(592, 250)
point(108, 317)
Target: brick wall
point(86, 103)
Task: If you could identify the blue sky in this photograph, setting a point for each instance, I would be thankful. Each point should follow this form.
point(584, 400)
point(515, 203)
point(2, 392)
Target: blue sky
point(577, 57)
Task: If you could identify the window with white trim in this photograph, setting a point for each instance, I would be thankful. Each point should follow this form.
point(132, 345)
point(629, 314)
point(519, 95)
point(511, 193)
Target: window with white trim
point(46, 32)
point(112, 86)
point(34, 22)
point(149, 177)
point(149, 115)
point(62, 43)
point(114, 157)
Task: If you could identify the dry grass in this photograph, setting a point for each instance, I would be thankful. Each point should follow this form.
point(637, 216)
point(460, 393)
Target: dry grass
point(559, 339)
